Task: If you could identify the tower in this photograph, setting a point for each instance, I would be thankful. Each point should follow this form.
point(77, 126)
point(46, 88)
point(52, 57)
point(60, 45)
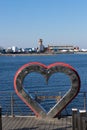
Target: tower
point(41, 46)
point(40, 42)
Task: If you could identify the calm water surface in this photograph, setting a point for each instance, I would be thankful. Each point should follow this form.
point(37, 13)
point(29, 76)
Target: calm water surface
point(10, 64)
point(35, 83)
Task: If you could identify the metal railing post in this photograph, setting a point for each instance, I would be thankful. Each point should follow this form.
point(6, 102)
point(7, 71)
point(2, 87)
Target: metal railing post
point(12, 105)
point(84, 100)
point(0, 118)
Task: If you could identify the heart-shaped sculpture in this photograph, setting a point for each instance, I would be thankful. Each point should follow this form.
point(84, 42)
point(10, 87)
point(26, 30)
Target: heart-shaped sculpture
point(46, 71)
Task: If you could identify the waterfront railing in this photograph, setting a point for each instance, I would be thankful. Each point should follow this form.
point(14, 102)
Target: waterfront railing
point(12, 105)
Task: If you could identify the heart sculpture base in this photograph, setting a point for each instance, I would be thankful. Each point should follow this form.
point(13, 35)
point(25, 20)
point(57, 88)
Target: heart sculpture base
point(47, 71)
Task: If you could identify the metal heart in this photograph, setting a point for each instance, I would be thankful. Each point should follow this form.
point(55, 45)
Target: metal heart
point(47, 71)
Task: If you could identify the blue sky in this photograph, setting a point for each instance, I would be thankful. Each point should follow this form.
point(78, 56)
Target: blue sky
point(59, 22)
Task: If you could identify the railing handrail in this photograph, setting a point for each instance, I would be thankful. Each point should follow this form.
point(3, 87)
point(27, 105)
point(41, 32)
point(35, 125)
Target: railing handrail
point(11, 100)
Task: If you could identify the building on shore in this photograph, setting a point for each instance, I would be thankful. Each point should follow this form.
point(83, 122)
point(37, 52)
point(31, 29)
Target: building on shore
point(14, 49)
point(62, 49)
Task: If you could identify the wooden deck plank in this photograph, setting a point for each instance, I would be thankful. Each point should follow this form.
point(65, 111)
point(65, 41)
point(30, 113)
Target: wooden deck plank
point(33, 123)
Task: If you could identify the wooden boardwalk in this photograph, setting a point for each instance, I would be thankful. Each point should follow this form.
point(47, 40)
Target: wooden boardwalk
point(34, 123)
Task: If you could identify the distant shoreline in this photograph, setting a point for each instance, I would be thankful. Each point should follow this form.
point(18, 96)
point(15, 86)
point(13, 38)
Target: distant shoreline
point(33, 54)
point(40, 54)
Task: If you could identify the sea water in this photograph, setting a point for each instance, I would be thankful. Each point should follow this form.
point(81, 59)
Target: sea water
point(35, 84)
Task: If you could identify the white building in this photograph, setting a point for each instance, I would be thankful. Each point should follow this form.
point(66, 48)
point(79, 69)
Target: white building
point(14, 49)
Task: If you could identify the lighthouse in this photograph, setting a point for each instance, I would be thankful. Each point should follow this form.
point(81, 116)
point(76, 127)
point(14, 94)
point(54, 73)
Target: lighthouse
point(41, 46)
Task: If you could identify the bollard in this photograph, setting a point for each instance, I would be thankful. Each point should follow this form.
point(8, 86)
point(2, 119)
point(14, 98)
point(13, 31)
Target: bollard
point(82, 113)
point(0, 118)
point(74, 118)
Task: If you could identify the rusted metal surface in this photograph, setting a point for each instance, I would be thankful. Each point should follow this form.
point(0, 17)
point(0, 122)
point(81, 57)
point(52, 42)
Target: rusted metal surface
point(47, 71)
